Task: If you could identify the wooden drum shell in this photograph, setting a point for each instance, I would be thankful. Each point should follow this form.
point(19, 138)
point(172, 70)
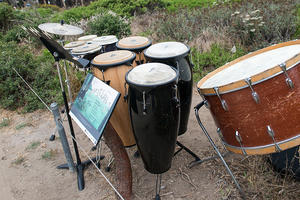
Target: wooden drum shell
point(120, 118)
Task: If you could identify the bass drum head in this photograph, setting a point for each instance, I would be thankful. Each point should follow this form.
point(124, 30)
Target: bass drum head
point(151, 74)
point(166, 50)
point(87, 38)
point(105, 40)
point(74, 44)
point(113, 58)
point(134, 43)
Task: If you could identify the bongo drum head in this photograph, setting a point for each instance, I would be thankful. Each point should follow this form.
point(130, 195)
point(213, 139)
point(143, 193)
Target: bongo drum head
point(151, 74)
point(166, 50)
point(134, 43)
point(74, 44)
point(106, 40)
point(89, 47)
point(87, 37)
point(113, 58)
point(251, 66)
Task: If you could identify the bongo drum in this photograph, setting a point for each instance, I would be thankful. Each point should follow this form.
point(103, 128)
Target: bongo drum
point(154, 113)
point(111, 67)
point(87, 38)
point(136, 44)
point(176, 54)
point(88, 51)
point(255, 100)
point(108, 42)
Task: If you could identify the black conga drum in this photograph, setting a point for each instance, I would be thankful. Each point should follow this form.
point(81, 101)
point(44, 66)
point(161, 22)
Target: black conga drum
point(176, 54)
point(136, 44)
point(107, 42)
point(154, 113)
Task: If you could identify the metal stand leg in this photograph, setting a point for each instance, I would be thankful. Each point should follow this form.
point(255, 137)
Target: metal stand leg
point(157, 189)
point(215, 147)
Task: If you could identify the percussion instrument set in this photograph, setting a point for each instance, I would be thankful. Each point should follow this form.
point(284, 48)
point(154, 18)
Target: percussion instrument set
point(254, 100)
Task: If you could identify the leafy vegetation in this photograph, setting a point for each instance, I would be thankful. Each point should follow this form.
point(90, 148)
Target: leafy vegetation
point(5, 122)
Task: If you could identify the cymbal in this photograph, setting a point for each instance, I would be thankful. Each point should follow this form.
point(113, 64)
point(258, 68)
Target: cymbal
point(59, 29)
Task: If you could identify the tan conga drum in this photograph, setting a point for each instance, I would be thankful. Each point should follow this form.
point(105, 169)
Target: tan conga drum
point(137, 44)
point(111, 67)
point(87, 38)
point(255, 100)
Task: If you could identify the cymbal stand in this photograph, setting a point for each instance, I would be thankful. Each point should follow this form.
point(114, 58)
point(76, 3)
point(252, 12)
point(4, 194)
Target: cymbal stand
point(196, 108)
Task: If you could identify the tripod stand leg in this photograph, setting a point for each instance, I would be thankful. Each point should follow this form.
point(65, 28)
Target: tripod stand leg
point(216, 149)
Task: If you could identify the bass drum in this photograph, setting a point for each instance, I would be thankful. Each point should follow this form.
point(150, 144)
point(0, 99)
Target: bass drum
point(111, 67)
point(154, 113)
point(255, 100)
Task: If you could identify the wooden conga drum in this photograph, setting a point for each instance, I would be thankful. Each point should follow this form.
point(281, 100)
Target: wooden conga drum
point(111, 67)
point(137, 44)
point(154, 112)
point(255, 100)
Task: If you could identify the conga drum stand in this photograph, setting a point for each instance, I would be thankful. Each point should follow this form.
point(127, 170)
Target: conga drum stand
point(196, 108)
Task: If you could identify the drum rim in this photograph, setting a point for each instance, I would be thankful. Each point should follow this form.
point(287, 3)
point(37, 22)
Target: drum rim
point(130, 83)
point(169, 57)
point(257, 78)
point(138, 48)
point(99, 66)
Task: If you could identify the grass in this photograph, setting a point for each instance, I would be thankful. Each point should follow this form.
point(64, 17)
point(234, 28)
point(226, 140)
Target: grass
point(5, 122)
point(48, 155)
point(22, 125)
point(19, 160)
point(33, 145)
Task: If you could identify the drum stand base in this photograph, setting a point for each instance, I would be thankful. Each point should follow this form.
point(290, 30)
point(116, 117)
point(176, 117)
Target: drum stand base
point(196, 108)
point(182, 147)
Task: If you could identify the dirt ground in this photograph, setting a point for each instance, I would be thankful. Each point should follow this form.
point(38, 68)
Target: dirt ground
point(29, 160)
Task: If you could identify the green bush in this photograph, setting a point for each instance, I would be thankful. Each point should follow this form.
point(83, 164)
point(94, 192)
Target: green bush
point(109, 24)
point(204, 62)
point(6, 15)
point(74, 15)
point(38, 71)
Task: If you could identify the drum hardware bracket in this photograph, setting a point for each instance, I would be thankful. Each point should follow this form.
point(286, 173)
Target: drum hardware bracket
point(288, 80)
point(196, 108)
point(240, 141)
point(223, 102)
point(182, 147)
point(272, 134)
point(254, 94)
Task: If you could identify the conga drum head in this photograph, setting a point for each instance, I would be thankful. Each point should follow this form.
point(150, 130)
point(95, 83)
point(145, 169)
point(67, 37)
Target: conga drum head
point(87, 38)
point(167, 50)
point(74, 44)
point(255, 100)
point(154, 112)
point(89, 47)
point(106, 40)
point(113, 58)
point(134, 43)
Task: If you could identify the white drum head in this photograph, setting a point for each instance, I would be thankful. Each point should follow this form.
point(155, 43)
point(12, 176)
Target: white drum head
point(252, 66)
point(87, 37)
point(151, 74)
point(105, 40)
point(89, 47)
point(74, 44)
point(166, 50)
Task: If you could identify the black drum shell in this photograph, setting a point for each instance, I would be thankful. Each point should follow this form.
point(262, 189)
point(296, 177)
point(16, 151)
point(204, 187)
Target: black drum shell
point(156, 131)
point(109, 47)
point(185, 85)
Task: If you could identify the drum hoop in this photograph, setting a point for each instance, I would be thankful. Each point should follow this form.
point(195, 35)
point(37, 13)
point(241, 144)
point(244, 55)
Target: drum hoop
point(106, 66)
point(138, 48)
point(249, 149)
point(175, 79)
point(184, 54)
point(256, 79)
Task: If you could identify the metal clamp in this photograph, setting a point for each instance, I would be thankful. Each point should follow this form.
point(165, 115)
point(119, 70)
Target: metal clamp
point(239, 139)
point(288, 80)
point(272, 134)
point(223, 102)
point(254, 94)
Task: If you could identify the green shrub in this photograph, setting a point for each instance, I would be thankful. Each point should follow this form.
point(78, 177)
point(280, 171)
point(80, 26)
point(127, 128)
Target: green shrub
point(204, 62)
point(37, 70)
point(49, 6)
point(109, 24)
point(74, 15)
point(6, 15)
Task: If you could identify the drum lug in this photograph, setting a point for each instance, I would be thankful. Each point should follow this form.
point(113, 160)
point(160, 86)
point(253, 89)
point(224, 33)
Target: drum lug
point(272, 134)
point(254, 94)
point(239, 139)
point(223, 102)
point(288, 79)
point(220, 134)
